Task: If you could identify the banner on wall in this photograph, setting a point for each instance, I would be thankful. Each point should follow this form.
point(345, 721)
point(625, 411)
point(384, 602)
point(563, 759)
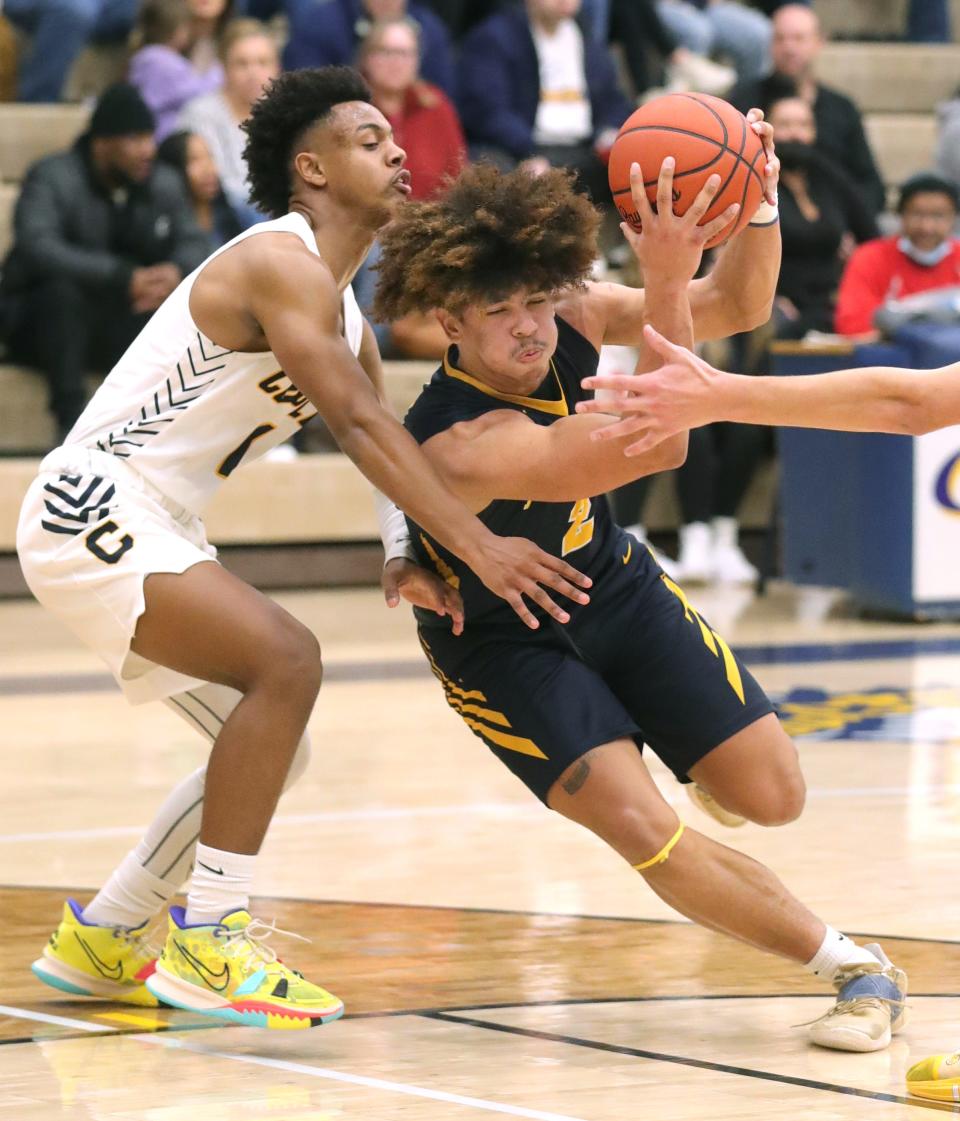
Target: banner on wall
point(936, 517)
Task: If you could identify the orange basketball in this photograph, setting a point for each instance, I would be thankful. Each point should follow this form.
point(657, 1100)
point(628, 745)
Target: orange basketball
point(706, 136)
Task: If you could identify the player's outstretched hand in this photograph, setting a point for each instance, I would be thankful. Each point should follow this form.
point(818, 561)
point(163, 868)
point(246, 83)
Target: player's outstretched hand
point(685, 392)
point(402, 579)
point(668, 244)
point(514, 569)
point(771, 171)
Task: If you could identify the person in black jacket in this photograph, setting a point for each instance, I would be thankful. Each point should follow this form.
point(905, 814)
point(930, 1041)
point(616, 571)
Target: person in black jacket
point(797, 41)
point(821, 215)
point(102, 235)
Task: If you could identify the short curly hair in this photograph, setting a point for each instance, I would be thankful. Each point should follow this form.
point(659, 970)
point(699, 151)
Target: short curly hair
point(291, 104)
point(488, 235)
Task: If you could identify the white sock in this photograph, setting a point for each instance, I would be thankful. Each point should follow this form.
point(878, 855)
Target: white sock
point(220, 883)
point(836, 951)
point(131, 895)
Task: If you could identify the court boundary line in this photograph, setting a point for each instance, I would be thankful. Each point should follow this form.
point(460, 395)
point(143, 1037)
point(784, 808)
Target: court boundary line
point(367, 1081)
point(700, 1064)
point(88, 1028)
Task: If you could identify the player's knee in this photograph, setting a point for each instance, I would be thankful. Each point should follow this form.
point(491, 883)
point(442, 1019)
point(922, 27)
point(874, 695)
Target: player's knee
point(300, 761)
point(290, 660)
point(781, 802)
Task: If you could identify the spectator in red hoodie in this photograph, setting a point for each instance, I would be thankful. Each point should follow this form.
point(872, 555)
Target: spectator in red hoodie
point(425, 123)
point(923, 256)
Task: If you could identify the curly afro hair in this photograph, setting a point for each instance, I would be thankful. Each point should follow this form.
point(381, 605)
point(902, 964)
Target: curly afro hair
point(488, 235)
point(292, 103)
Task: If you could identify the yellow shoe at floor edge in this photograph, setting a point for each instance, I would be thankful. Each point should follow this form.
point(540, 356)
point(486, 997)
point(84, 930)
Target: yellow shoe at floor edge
point(102, 962)
point(226, 970)
point(936, 1078)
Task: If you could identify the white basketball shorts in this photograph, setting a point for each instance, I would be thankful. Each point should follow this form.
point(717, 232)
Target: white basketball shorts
point(91, 530)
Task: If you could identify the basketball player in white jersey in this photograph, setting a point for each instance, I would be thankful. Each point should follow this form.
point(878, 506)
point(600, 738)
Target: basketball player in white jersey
point(262, 336)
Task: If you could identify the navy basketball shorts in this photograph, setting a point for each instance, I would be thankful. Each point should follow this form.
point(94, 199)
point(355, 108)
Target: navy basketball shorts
point(638, 662)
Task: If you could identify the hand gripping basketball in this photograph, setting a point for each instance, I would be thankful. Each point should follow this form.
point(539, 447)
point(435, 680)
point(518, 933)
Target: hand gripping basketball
point(669, 246)
point(706, 136)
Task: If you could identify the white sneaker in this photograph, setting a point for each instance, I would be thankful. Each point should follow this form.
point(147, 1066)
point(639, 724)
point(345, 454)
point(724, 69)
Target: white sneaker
point(695, 563)
point(730, 566)
point(668, 565)
point(871, 1007)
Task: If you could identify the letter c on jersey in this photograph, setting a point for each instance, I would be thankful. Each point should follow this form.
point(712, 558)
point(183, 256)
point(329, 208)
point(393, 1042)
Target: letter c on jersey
point(108, 556)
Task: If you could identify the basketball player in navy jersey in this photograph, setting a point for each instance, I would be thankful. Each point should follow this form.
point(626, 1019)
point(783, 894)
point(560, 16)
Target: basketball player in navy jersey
point(505, 260)
point(262, 336)
point(686, 392)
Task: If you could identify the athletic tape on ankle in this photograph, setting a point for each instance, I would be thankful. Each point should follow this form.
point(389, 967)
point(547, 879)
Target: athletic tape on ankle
point(664, 853)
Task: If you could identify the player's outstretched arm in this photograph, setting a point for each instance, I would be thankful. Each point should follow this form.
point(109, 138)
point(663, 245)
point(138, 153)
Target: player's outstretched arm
point(296, 303)
point(686, 392)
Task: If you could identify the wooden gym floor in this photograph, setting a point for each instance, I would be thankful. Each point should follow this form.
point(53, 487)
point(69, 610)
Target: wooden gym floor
point(493, 958)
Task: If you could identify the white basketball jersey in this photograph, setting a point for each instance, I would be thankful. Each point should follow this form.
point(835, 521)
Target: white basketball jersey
point(184, 411)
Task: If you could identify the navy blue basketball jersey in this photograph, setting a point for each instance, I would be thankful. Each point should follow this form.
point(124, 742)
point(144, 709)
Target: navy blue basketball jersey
point(582, 532)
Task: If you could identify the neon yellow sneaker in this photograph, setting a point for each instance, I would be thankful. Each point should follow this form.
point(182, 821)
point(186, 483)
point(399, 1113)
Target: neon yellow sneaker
point(937, 1078)
point(226, 970)
point(105, 962)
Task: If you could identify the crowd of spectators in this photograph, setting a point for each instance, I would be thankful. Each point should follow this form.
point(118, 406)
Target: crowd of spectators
point(105, 230)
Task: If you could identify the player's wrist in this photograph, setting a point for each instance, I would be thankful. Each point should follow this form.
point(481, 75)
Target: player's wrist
point(766, 214)
point(473, 543)
point(665, 284)
point(729, 396)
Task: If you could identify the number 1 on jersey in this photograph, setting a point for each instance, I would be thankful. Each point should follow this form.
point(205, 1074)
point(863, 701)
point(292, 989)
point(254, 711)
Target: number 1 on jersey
point(232, 461)
point(580, 532)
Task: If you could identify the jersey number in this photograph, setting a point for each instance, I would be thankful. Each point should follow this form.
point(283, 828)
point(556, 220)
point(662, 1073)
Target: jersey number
point(105, 553)
point(232, 461)
point(580, 532)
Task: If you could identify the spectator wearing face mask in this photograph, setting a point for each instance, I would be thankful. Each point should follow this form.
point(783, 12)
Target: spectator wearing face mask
point(922, 257)
point(821, 216)
point(797, 44)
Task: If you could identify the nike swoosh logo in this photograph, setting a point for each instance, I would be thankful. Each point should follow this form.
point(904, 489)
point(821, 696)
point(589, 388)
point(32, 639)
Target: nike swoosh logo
point(215, 871)
point(628, 554)
point(206, 974)
point(111, 972)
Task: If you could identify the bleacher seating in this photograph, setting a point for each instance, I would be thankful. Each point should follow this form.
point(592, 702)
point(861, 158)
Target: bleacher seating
point(28, 132)
point(897, 85)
